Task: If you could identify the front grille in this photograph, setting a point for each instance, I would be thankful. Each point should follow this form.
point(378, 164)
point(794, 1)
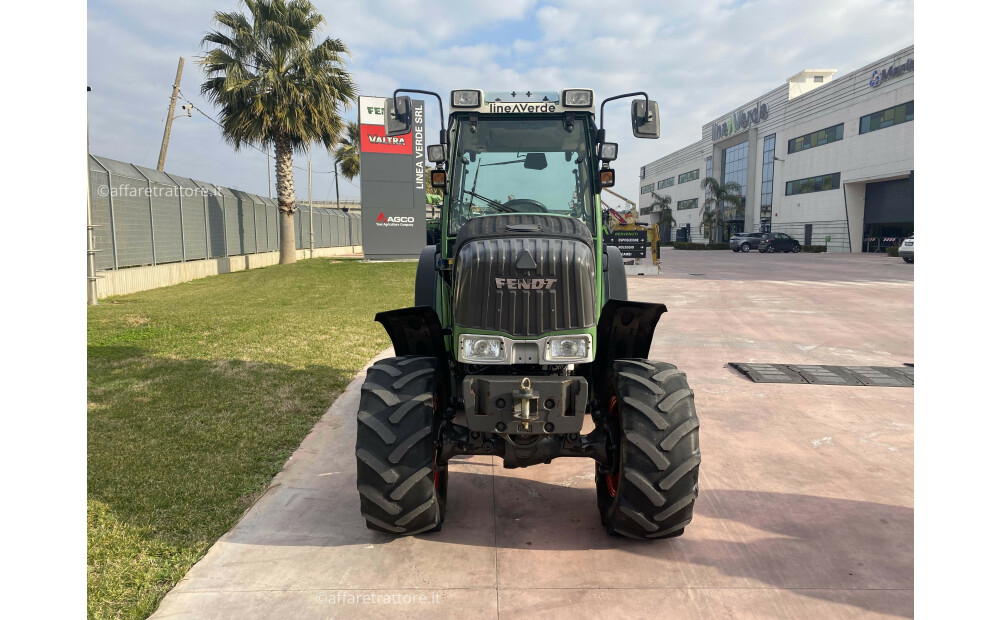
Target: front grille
point(570, 302)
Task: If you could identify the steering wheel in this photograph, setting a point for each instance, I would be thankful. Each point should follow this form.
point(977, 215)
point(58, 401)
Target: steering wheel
point(525, 205)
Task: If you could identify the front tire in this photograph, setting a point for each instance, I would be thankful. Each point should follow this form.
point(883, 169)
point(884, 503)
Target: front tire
point(907, 260)
point(402, 491)
point(651, 492)
point(796, 249)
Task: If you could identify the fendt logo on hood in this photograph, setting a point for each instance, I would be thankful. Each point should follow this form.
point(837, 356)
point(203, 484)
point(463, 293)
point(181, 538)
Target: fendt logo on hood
point(394, 220)
point(525, 284)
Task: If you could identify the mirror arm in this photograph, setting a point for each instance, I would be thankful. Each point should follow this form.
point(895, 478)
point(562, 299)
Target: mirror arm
point(600, 133)
point(444, 134)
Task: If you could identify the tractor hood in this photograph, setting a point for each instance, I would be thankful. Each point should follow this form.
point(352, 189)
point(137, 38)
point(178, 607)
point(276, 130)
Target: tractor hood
point(525, 275)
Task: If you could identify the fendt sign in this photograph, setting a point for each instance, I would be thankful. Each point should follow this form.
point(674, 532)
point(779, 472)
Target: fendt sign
point(392, 183)
point(739, 121)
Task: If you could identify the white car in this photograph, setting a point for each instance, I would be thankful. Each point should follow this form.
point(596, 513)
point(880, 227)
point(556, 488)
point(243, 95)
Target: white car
point(906, 250)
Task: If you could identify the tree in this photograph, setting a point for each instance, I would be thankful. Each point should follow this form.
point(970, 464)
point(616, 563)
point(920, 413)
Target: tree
point(719, 196)
point(277, 86)
point(667, 221)
point(347, 152)
point(709, 223)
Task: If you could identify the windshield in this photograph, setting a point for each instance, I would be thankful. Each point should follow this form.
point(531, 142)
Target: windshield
point(521, 166)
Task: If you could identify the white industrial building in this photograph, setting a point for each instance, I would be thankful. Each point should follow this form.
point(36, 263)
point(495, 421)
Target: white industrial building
point(825, 159)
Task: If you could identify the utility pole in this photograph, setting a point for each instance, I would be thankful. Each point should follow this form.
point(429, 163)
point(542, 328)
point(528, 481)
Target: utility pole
point(336, 182)
point(170, 115)
point(91, 271)
point(311, 200)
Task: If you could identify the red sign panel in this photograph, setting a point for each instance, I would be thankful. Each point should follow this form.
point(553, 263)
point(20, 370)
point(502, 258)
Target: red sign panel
point(374, 140)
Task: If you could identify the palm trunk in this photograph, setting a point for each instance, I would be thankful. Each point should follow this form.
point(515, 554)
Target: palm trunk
point(286, 198)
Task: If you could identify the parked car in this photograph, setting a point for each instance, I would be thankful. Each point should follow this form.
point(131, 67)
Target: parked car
point(745, 241)
point(906, 250)
point(778, 242)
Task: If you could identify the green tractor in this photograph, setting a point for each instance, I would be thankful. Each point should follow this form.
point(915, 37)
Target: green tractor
point(521, 326)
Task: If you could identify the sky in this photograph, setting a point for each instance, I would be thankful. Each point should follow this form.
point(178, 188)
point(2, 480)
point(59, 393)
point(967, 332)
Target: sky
point(699, 60)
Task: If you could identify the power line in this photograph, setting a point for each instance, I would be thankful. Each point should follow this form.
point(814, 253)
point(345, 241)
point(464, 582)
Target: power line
point(251, 144)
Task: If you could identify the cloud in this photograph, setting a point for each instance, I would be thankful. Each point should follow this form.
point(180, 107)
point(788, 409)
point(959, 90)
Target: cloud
point(700, 60)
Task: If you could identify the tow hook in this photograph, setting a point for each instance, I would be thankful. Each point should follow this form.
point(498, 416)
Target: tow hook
point(523, 399)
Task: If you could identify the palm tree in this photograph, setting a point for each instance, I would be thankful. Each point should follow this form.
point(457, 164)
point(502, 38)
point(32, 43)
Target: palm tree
point(277, 86)
point(709, 223)
point(667, 221)
point(346, 153)
point(720, 195)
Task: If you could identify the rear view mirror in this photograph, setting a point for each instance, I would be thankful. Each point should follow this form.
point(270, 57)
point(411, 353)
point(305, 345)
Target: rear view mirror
point(535, 161)
point(398, 116)
point(645, 123)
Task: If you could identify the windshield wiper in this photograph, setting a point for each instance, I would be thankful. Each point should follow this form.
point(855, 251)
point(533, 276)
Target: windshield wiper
point(493, 203)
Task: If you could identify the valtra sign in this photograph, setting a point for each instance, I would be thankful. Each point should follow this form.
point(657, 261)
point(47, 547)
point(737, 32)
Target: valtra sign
point(739, 121)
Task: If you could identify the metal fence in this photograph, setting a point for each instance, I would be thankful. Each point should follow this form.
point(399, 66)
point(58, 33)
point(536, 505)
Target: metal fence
point(147, 217)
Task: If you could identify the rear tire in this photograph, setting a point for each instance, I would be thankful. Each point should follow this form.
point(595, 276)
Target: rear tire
point(745, 247)
point(652, 417)
point(907, 260)
point(770, 249)
point(402, 491)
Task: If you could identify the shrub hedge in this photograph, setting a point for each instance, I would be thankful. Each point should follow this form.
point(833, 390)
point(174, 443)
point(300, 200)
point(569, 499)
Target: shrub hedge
point(683, 245)
point(814, 248)
point(892, 251)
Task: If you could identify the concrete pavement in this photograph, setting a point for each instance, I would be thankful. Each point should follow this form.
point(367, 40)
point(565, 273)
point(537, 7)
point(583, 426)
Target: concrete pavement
point(806, 504)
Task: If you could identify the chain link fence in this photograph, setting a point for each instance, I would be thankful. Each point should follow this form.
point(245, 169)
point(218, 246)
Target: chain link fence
point(147, 217)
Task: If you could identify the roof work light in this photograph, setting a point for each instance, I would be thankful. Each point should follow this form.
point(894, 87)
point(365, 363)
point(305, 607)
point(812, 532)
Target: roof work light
point(466, 98)
point(578, 98)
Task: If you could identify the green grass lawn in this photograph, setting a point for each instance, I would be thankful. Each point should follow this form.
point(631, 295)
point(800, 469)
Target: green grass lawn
point(196, 396)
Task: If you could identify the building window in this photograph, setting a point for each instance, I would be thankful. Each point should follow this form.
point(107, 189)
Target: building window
point(642, 172)
point(813, 184)
point(734, 170)
point(767, 184)
point(645, 210)
point(818, 78)
point(687, 176)
point(897, 115)
point(816, 138)
point(665, 183)
point(687, 204)
point(645, 189)
point(708, 175)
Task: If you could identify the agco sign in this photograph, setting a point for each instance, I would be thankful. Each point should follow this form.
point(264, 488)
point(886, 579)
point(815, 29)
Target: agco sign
point(739, 121)
point(404, 220)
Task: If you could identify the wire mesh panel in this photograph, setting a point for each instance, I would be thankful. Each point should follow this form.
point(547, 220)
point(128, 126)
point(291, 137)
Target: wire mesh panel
point(260, 220)
point(342, 227)
point(272, 224)
point(133, 230)
point(231, 206)
point(247, 225)
point(192, 200)
point(355, 235)
point(216, 219)
point(300, 217)
point(318, 226)
point(166, 209)
point(328, 231)
point(100, 216)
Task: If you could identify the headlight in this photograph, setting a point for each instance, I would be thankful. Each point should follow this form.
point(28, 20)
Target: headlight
point(482, 349)
point(466, 98)
point(578, 98)
point(568, 349)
